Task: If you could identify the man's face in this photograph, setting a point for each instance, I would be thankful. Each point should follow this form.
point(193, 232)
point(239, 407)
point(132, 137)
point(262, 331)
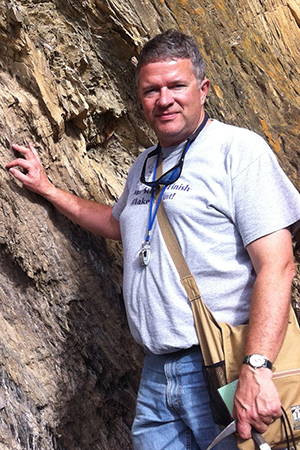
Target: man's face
point(171, 99)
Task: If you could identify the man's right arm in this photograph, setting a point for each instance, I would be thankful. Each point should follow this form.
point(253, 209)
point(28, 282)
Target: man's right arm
point(92, 216)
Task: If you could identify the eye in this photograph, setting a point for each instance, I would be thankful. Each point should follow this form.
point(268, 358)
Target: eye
point(178, 86)
point(150, 89)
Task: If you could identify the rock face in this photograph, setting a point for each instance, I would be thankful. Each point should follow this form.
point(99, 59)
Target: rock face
point(69, 369)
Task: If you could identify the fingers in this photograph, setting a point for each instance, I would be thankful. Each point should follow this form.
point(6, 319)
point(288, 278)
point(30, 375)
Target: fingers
point(244, 427)
point(33, 150)
point(19, 162)
point(29, 152)
point(19, 176)
point(30, 164)
point(259, 424)
point(256, 402)
point(31, 161)
point(19, 148)
point(244, 430)
point(248, 418)
point(256, 417)
point(35, 178)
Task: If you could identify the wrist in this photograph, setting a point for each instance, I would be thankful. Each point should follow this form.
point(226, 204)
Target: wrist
point(257, 361)
point(50, 192)
point(248, 375)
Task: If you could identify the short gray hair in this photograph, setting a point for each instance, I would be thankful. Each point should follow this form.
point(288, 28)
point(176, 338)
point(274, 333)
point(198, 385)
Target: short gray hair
point(172, 44)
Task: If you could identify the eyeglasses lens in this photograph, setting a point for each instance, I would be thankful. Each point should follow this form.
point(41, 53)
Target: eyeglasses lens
point(171, 176)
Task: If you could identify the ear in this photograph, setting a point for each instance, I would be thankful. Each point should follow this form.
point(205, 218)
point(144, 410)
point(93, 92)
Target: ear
point(204, 88)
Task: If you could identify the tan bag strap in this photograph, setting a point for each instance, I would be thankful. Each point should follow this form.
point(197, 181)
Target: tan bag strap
point(168, 233)
point(208, 329)
point(173, 245)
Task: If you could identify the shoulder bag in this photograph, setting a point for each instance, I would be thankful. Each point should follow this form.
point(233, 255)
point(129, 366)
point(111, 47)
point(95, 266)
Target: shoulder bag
point(222, 347)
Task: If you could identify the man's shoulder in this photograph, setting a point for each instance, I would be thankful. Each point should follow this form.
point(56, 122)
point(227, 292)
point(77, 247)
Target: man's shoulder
point(235, 131)
point(238, 140)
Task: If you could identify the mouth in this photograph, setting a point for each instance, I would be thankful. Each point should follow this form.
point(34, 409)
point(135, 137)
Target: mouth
point(167, 115)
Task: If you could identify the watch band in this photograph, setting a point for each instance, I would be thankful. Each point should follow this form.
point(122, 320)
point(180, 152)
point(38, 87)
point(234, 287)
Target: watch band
point(257, 361)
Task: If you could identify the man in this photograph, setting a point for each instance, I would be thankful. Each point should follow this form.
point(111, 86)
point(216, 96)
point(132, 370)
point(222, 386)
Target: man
point(232, 210)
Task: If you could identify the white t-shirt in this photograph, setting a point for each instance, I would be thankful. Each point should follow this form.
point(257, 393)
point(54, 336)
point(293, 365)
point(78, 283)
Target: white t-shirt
point(231, 192)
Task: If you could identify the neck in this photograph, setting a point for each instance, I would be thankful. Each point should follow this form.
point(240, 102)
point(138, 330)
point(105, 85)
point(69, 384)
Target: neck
point(191, 137)
point(203, 123)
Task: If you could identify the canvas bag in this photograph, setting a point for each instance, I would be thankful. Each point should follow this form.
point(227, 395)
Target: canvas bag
point(222, 347)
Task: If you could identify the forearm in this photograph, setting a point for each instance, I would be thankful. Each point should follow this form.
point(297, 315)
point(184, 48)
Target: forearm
point(256, 401)
point(270, 305)
point(92, 216)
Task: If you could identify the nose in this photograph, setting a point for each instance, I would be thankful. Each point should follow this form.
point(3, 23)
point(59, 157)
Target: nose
point(165, 97)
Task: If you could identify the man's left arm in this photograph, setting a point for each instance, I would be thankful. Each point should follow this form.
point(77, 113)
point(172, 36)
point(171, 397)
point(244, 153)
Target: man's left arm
point(256, 401)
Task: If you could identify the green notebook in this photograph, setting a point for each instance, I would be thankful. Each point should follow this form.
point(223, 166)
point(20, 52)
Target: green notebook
point(227, 393)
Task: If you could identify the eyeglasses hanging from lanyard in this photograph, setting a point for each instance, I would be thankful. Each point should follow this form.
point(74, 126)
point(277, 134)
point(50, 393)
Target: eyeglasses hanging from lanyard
point(174, 173)
point(165, 179)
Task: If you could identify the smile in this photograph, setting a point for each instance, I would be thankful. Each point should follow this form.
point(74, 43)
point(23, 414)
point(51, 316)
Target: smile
point(167, 116)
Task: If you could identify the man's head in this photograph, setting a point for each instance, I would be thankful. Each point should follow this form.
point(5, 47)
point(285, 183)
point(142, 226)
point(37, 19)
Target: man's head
point(171, 86)
point(172, 45)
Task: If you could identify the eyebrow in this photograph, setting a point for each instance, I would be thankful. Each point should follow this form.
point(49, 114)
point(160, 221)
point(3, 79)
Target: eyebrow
point(180, 80)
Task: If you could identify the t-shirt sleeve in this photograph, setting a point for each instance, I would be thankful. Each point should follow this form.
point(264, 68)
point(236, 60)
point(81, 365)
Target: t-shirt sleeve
point(133, 173)
point(120, 205)
point(264, 199)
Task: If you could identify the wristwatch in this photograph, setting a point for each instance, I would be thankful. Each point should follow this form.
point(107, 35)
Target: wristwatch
point(257, 361)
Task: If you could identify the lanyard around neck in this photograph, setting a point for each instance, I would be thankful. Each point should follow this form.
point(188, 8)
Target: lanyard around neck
point(158, 167)
point(157, 193)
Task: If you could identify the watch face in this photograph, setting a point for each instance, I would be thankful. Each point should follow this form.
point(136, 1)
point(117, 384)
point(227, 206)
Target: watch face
point(256, 360)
